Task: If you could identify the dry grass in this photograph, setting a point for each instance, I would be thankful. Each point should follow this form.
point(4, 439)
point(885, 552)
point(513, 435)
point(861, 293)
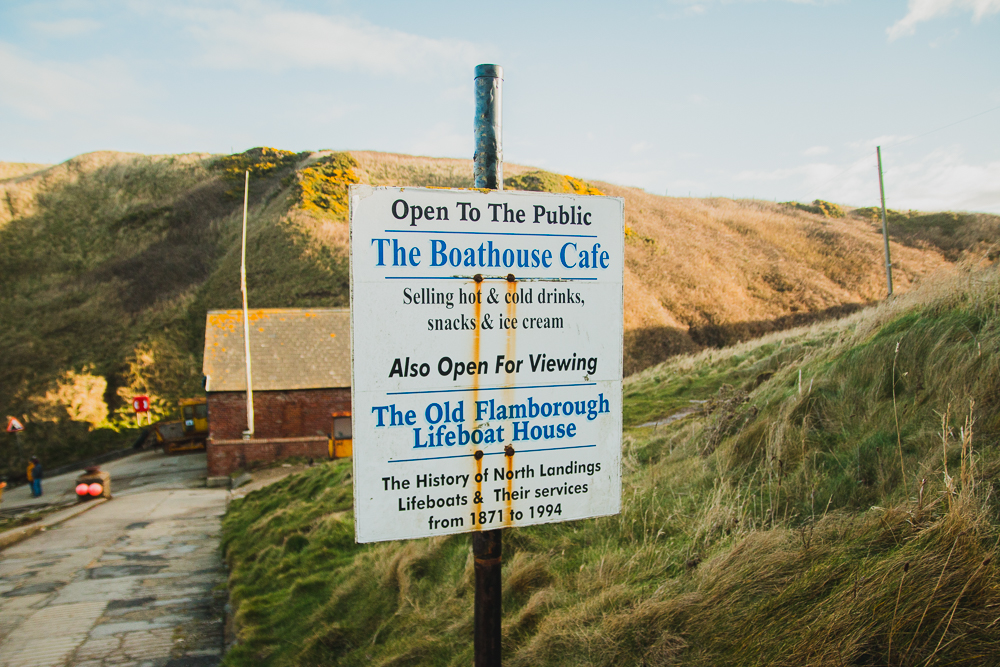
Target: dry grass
point(732, 270)
point(774, 527)
point(398, 169)
point(110, 255)
point(713, 271)
point(10, 170)
point(957, 236)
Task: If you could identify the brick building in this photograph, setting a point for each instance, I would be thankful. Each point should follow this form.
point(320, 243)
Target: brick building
point(301, 369)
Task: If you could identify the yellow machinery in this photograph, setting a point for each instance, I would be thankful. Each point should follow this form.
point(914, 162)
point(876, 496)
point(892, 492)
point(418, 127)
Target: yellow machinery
point(195, 414)
point(188, 434)
point(341, 440)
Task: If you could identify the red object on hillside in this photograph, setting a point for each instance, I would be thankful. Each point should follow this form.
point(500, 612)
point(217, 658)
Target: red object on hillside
point(82, 489)
point(13, 425)
point(140, 403)
point(95, 489)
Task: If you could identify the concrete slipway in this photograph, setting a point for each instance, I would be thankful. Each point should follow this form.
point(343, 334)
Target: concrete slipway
point(131, 581)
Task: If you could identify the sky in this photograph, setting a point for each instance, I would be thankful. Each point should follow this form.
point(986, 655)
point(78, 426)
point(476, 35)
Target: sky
point(773, 99)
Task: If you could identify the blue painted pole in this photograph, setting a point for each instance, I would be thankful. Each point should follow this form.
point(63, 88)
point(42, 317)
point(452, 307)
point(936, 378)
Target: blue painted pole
point(487, 167)
point(487, 544)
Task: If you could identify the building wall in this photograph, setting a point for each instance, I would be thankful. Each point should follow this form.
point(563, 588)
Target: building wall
point(277, 414)
point(286, 423)
point(229, 456)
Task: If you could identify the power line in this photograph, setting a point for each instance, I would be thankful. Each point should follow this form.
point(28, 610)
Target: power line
point(900, 142)
point(944, 127)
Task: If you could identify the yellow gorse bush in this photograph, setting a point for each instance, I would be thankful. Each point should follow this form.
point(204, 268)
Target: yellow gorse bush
point(323, 185)
point(579, 187)
point(546, 181)
point(819, 207)
point(258, 161)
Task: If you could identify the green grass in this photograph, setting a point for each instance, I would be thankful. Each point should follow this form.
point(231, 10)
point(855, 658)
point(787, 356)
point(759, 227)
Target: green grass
point(955, 235)
point(110, 262)
point(112, 272)
point(11, 522)
point(773, 527)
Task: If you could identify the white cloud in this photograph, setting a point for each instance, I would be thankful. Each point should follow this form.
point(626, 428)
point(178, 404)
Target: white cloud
point(685, 187)
point(75, 107)
point(654, 180)
point(319, 108)
point(66, 27)
point(262, 36)
point(812, 174)
point(699, 7)
point(919, 11)
point(42, 90)
point(939, 180)
point(816, 150)
point(443, 140)
point(640, 147)
point(945, 38)
point(884, 140)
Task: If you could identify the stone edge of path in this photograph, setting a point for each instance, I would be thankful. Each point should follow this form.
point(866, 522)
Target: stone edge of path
point(15, 535)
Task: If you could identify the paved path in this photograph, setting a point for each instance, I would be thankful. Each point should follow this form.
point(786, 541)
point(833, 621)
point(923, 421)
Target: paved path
point(130, 582)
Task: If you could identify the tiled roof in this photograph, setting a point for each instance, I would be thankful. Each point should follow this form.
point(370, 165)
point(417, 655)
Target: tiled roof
point(290, 348)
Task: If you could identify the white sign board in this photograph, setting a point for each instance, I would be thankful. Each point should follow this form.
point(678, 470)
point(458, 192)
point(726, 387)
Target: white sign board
point(490, 403)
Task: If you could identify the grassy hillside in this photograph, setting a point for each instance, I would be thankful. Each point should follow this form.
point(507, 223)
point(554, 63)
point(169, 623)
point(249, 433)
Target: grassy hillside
point(110, 261)
point(14, 169)
point(831, 502)
point(957, 236)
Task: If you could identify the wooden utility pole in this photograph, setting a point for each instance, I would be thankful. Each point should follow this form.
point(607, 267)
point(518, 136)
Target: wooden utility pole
point(246, 318)
point(487, 544)
point(885, 226)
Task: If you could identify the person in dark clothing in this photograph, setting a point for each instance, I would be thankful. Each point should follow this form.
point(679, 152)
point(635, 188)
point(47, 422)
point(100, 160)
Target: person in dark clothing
point(35, 476)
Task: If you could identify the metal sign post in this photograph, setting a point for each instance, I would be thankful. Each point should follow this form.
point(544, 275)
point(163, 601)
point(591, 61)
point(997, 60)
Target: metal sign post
point(487, 545)
point(486, 342)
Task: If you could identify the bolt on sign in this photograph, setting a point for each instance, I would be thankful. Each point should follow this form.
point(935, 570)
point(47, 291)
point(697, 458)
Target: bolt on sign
point(487, 359)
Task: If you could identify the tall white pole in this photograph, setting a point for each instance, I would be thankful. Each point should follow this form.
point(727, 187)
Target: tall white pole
point(246, 318)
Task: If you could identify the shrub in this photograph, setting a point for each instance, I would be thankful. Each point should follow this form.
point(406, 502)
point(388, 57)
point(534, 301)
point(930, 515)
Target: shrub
point(819, 207)
point(322, 186)
point(546, 181)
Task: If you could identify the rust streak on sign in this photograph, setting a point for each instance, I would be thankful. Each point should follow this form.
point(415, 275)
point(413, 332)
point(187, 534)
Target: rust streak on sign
point(529, 387)
point(478, 477)
point(510, 380)
point(477, 286)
